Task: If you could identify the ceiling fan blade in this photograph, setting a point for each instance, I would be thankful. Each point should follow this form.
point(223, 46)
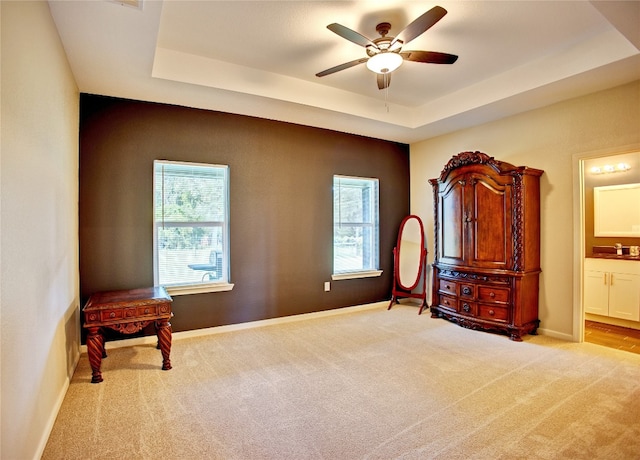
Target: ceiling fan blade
point(420, 25)
point(350, 35)
point(384, 79)
point(430, 57)
point(340, 67)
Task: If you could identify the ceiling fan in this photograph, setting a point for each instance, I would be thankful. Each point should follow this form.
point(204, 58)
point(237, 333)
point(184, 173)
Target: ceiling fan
point(384, 54)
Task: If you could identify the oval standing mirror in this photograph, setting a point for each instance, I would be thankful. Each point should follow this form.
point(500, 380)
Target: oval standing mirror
point(410, 247)
point(409, 259)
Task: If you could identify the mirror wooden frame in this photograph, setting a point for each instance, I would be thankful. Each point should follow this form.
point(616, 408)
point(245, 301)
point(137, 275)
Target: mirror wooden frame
point(401, 290)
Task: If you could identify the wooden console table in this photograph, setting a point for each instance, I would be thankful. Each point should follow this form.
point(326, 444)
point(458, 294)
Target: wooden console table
point(127, 312)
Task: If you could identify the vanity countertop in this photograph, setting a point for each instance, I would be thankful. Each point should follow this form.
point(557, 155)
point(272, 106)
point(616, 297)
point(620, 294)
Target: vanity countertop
point(602, 255)
point(609, 252)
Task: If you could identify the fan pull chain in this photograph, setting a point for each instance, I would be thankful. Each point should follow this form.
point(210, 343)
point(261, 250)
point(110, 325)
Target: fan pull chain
point(386, 91)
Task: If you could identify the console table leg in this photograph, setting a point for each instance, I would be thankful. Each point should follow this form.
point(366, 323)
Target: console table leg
point(95, 350)
point(164, 342)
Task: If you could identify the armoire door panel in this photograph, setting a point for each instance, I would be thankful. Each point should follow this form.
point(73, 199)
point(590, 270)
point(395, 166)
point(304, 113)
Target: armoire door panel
point(491, 235)
point(452, 227)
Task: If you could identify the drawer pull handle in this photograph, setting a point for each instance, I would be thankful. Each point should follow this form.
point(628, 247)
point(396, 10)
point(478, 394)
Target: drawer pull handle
point(466, 307)
point(146, 311)
point(492, 294)
point(466, 290)
point(112, 315)
point(448, 287)
point(491, 312)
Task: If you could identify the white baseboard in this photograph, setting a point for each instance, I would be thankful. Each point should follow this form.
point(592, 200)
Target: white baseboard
point(55, 411)
point(152, 339)
point(556, 334)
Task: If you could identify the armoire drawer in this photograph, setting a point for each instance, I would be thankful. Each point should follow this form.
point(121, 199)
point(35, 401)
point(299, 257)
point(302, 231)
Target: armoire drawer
point(493, 312)
point(468, 308)
point(448, 286)
point(467, 290)
point(493, 294)
point(448, 302)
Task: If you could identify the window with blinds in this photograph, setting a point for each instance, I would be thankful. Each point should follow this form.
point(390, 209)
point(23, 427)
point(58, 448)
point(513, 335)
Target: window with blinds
point(355, 225)
point(191, 225)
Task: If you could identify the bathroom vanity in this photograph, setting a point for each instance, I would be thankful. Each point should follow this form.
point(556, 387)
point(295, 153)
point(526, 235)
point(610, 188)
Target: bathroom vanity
point(612, 286)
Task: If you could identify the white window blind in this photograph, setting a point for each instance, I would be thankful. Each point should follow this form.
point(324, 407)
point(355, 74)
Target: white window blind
point(191, 222)
point(355, 224)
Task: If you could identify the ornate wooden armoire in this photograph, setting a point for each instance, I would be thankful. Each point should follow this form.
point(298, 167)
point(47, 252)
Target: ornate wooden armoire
point(487, 245)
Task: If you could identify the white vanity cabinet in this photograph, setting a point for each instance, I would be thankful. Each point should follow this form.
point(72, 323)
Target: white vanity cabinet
point(612, 288)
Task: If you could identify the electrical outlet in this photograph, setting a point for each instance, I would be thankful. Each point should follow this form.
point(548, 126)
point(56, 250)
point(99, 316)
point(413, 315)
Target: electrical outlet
point(327, 286)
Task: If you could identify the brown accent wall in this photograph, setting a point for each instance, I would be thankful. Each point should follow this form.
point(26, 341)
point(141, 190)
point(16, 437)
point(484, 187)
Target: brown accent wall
point(281, 213)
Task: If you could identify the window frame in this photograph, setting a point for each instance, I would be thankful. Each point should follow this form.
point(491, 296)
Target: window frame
point(194, 287)
point(374, 225)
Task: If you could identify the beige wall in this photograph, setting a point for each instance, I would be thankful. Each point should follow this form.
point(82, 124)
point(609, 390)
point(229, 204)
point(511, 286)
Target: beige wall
point(547, 139)
point(39, 227)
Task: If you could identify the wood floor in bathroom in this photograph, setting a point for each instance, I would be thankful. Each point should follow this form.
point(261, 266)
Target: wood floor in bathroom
point(611, 336)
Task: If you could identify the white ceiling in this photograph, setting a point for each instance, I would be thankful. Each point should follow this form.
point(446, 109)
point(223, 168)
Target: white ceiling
point(260, 58)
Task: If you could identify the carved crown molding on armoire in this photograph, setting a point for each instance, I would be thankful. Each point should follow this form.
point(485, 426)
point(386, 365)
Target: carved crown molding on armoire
point(487, 244)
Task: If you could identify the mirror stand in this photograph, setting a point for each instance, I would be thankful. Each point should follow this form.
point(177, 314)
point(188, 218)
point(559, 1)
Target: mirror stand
point(409, 259)
point(398, 293)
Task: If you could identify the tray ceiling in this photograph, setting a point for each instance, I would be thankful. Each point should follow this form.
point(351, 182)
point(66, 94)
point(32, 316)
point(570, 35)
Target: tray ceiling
point(260, 58)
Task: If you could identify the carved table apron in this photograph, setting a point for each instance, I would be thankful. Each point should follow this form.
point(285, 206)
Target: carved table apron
point(127, 312)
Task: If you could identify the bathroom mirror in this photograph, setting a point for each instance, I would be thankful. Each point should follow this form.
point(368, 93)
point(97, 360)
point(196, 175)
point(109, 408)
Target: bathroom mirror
point(616, 211)
point(409, 257)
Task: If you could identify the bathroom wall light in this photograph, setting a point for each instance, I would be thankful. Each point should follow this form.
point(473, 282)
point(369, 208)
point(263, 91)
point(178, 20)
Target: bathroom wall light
point(620, 167)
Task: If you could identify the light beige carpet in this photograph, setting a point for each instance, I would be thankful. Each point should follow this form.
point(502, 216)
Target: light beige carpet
point(373, 384)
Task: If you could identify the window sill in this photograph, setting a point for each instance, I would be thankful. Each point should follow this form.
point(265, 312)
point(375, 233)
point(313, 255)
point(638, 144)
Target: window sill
point(199, 289)
point(355, 275)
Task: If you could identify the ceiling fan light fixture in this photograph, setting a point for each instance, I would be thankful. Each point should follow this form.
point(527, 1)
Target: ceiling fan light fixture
point(384, 62)
point(384, 54)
